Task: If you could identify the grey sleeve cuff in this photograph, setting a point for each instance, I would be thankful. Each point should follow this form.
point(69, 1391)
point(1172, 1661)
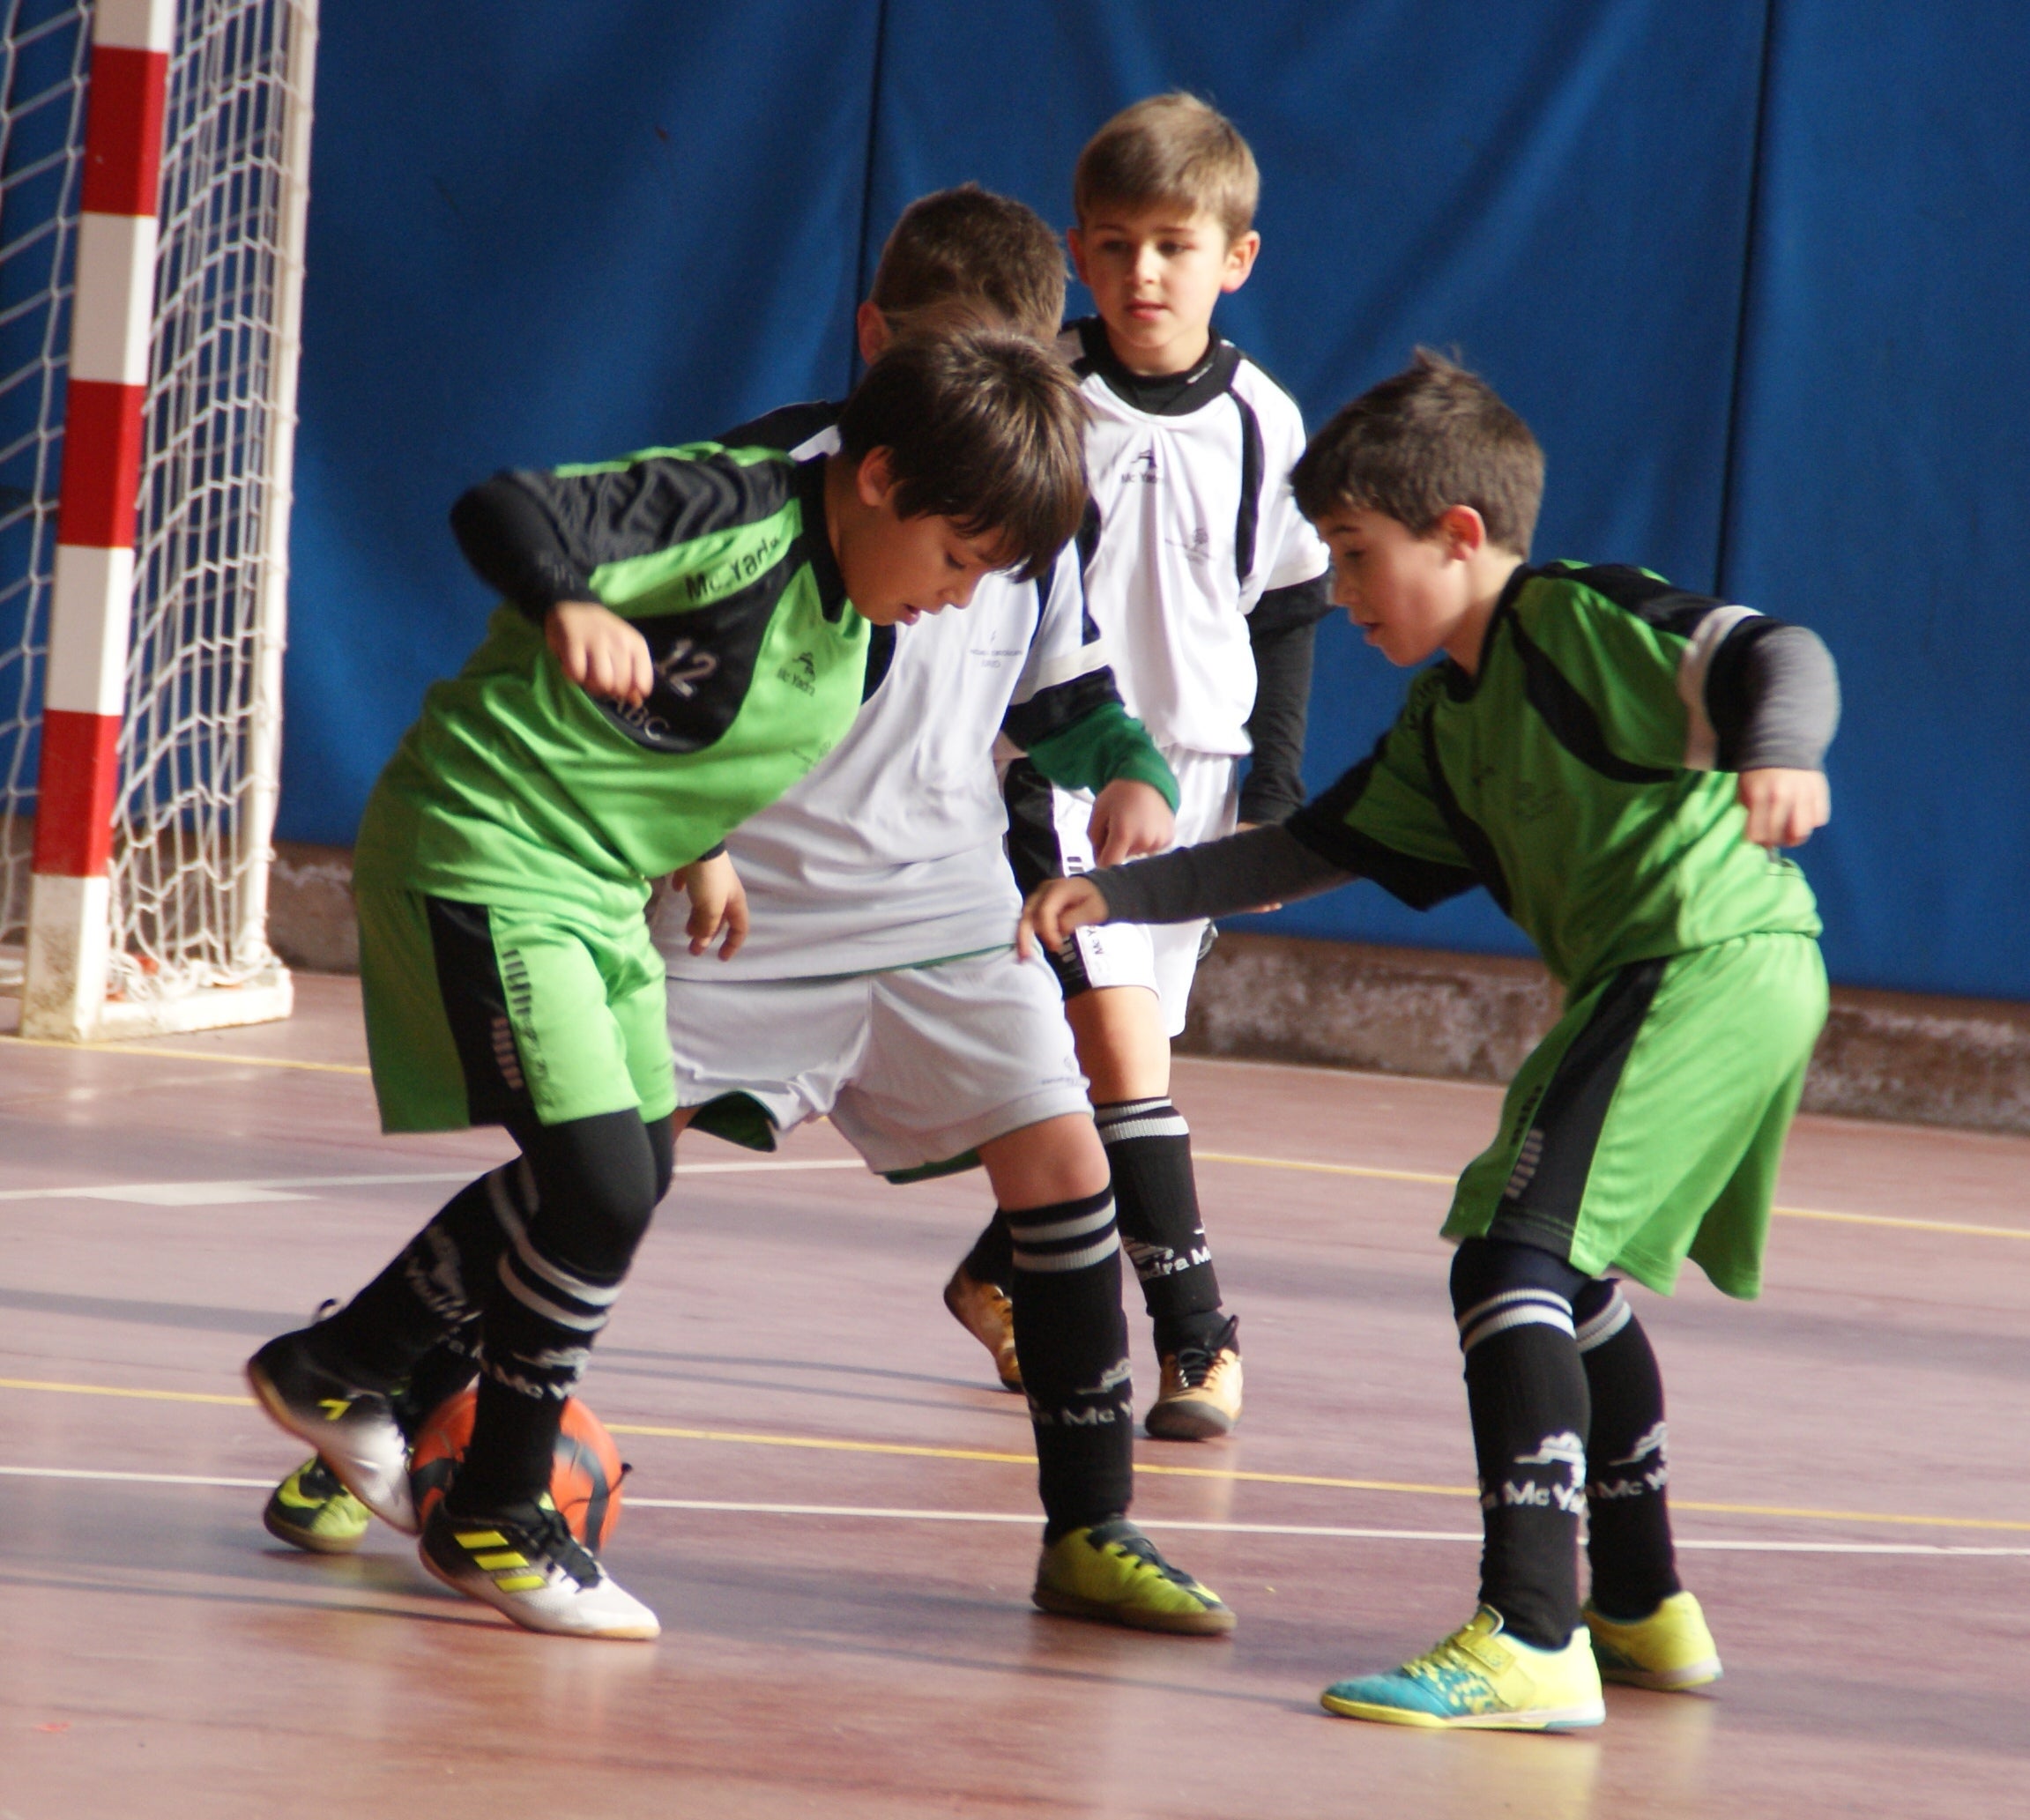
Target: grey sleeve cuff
point(1219, 879)
point(1774, 695)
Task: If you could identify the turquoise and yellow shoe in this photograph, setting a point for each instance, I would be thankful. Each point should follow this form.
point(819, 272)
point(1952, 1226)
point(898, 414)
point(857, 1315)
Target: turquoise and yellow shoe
point(1111, 1572)
point(1666, 1651)
point(1482, 1678)
point(311, 1509)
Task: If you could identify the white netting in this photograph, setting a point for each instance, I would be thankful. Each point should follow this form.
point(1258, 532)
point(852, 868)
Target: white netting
point(45, 52)
point(199, 735)
point(197, 746)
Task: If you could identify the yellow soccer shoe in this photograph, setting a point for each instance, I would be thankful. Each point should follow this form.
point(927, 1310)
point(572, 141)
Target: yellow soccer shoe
point(1480, 1677)
point(1111, 1572)
point(1666, 1651)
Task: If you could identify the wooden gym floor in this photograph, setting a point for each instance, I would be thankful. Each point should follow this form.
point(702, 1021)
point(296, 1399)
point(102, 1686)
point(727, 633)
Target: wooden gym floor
point(832, 1507)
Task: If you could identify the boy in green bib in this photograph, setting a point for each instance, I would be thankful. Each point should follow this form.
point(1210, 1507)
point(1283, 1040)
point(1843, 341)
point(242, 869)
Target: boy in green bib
point(1620, 764)
point(683, 635)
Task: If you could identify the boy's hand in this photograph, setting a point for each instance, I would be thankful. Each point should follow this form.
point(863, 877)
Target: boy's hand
point(1129, 819)
point(1054, 910)
point(599, 650)
point(1783, 805)
point(718, 902)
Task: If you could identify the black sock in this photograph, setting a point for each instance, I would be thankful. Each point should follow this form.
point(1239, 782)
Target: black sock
point(1525, 1390)
point(598, 1181)
point(436, 1285)
point(437, 1377)
point(1156, 1195)
point(991, 1258)
point(1635, 1567)
point(1073, 1339)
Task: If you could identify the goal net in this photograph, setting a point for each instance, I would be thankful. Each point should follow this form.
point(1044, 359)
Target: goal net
point(189, 659)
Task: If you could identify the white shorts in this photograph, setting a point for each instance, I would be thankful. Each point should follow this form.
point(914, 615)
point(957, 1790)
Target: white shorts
point(1162, 956)
point(917, 1068)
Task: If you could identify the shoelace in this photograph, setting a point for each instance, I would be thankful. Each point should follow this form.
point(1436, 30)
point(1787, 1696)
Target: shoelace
point(1194, 1362)
point(1145, 1551)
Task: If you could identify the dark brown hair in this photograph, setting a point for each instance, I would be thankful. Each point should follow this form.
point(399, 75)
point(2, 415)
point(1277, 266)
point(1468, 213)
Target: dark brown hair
point(1432, 437)
point(969, 243)
point(982, 425)
point(1169, 148)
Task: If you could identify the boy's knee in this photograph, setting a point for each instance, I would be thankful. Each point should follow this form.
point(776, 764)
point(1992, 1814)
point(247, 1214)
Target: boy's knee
point(1483, 1268)
point(598, 1182)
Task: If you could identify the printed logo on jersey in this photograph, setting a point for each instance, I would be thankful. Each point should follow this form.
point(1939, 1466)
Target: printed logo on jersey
point(728, 577)
point(1197, 547)
point(800, 673)
point(1143, 468)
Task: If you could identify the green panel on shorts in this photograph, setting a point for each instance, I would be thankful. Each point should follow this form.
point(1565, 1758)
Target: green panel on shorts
point(418, 1079)
point(1685, 1161)
point(585, 1005)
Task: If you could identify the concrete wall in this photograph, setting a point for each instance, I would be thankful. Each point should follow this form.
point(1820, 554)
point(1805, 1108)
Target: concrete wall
point(1418, 1011)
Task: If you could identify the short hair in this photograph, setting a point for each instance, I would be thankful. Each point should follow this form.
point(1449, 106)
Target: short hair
point(1169, 148)
point(966, 244)
point(1432, 437)
point(984, 425)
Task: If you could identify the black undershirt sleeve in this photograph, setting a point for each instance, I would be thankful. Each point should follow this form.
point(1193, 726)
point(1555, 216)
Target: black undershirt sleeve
point(1282, 630)
point(1772, 696)
point(1219, 879)
point(514, 546)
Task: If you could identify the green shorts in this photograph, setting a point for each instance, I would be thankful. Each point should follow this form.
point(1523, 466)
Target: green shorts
point(1646, 1127)
point(480, 1015)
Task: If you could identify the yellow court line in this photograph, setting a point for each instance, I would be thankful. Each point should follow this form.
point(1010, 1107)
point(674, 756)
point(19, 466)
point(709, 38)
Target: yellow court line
point(194, 1055)
point(826, 1444)
point(107, 1390)
point(1788, 1213)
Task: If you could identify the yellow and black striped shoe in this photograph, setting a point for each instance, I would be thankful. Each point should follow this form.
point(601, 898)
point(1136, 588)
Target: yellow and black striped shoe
point(311, 1509)
point(1112, 1571)
point(525, 1561)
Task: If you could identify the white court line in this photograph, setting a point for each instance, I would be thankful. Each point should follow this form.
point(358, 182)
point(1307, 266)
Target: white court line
point(194, 1193)
point(901, 1515)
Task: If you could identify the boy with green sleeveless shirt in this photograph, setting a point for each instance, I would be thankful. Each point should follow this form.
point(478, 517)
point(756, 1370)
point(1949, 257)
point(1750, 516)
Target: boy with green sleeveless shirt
point(684, 634)
point(1573, 755)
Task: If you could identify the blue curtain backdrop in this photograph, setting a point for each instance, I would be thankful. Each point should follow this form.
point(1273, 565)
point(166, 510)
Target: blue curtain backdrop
point(1751, 269)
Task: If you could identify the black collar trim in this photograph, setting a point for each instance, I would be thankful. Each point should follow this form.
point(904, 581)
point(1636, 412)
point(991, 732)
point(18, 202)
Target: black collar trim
point(1459, 683)
point(810, 485)
point(1156, 394)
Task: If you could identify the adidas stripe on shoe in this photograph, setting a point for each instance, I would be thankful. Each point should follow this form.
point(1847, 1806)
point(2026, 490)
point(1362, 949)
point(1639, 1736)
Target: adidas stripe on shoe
point(524, 1561)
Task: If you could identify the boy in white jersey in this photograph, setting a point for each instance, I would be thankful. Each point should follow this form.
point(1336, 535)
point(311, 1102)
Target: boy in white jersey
point(877, 986)
point(1207, 585)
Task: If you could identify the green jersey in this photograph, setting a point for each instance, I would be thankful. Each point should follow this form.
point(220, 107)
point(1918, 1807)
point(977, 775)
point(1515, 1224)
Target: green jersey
point(517, 788)
point(1572, 775)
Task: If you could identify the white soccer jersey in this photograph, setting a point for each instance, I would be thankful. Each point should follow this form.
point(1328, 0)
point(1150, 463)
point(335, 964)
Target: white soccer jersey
point(889, 852)
point(1191, 474)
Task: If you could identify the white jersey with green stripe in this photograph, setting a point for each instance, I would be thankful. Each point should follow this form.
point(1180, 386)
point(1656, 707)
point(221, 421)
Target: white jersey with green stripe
point(1576, 774)
point(516, 787)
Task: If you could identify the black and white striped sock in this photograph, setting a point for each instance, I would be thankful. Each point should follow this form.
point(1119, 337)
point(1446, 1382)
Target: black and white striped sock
point(1149, 1151)
point(1073, 1340)
point(1628, 1543)
point(1526, 1392)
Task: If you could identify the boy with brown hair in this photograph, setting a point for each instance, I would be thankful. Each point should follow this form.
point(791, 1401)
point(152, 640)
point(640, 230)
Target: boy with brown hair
point(877, 988)
point(1206, 585)
point(683, 634)
point(1618, 762)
